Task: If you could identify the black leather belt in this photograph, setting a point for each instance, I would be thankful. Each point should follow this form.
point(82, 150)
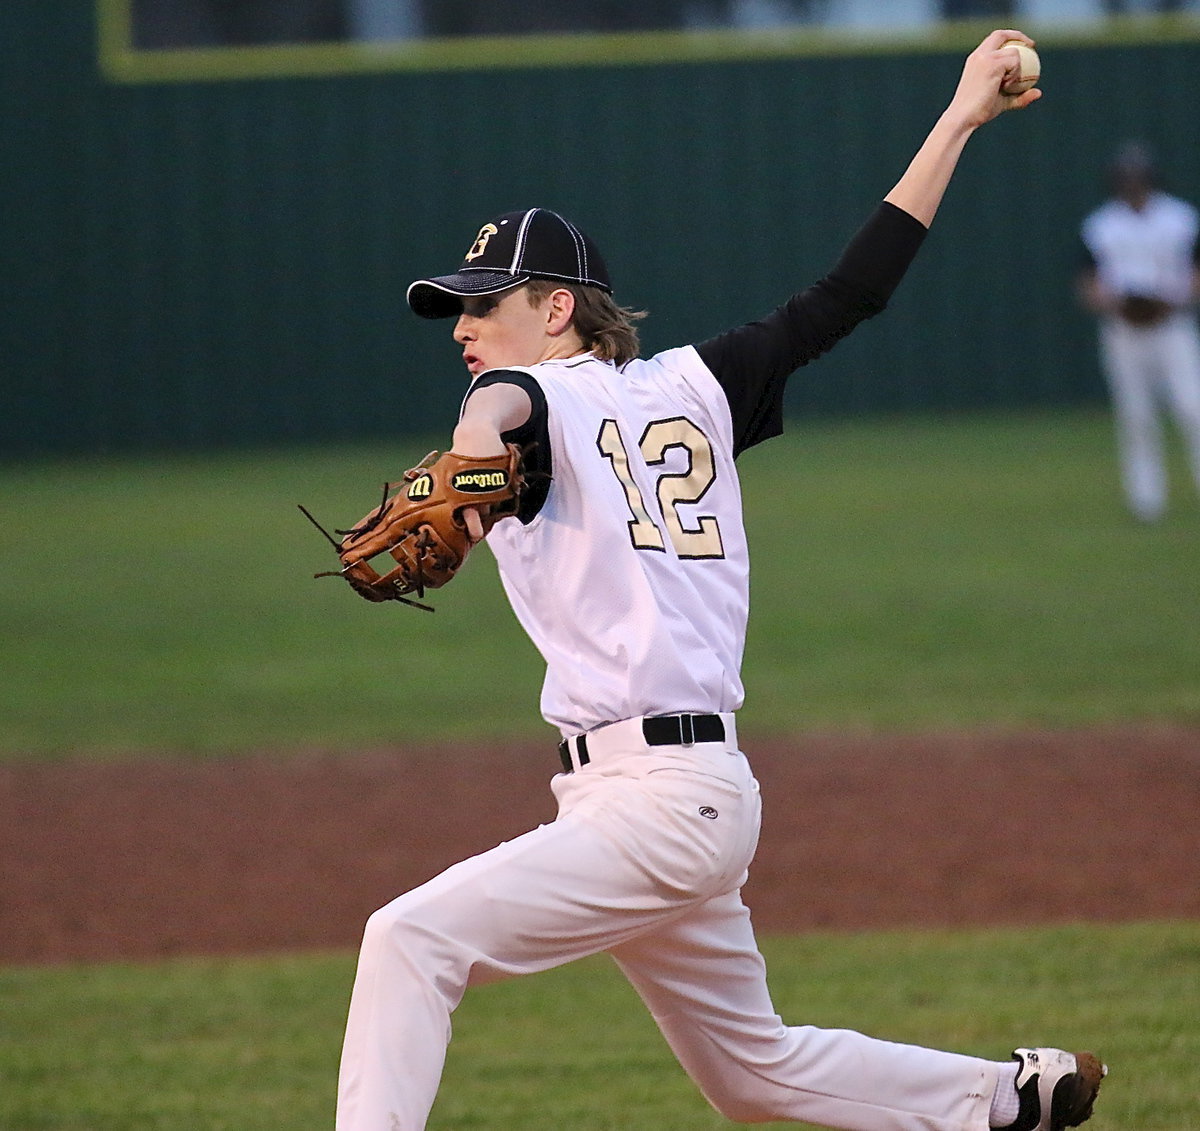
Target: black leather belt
point(659, 730)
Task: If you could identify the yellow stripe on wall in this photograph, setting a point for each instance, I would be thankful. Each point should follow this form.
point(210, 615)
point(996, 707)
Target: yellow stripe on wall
point(121, 62)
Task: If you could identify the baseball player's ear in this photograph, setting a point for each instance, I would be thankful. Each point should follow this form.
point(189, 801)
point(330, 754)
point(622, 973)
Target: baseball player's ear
point(560, 309)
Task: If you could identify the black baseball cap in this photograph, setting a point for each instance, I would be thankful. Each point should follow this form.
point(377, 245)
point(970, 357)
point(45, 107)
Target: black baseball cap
point(509, 251)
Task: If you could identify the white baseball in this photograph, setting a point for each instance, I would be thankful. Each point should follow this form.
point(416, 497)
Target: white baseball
point(1031, 68)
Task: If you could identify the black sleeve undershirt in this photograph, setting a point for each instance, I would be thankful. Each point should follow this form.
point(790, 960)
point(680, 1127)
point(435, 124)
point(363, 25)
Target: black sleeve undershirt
point(753, 362)
point(533, 437)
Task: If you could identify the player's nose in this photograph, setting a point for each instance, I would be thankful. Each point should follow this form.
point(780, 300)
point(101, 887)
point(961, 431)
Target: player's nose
point(464, 330)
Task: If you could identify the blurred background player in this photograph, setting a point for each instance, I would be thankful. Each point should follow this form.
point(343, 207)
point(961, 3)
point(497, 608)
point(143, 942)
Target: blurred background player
point(1142, 279)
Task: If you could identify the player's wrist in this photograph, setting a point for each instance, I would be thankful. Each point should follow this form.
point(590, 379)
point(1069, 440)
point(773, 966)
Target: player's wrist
point(959, 121)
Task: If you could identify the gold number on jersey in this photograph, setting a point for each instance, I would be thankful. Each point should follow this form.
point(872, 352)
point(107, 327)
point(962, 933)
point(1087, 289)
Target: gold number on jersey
point(673, 488)
point(685, 486)
point(643, 532)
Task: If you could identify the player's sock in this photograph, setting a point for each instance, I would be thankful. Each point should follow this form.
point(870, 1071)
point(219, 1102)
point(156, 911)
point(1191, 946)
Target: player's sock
point(1006, 1104)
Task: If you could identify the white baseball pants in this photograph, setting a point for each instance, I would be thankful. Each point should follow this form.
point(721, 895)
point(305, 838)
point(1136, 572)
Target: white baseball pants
point(1149, 370)
point(644, 860)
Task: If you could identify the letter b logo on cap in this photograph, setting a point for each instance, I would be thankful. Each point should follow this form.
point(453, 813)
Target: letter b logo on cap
point(481, 241)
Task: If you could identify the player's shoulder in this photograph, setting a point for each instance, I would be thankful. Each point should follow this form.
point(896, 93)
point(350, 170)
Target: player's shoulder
point(519, 375)
point(1110, 212)
point(1174, 206)
point(684, 378)
point(1098, 222)
point(678, 364)
point(537, 375)
point(678, 357)
point(681, 365)
point(673, 373)
point(1170, 200)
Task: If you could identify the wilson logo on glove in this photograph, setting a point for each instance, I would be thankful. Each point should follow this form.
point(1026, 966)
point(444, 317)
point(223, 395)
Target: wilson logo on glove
point(421, 487)
point(478, 482)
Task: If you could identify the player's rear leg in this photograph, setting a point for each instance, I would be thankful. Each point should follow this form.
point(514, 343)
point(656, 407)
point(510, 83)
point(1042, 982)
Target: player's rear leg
point(704, 981)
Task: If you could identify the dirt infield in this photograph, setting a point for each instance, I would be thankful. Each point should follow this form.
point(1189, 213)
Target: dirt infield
point(149, 858)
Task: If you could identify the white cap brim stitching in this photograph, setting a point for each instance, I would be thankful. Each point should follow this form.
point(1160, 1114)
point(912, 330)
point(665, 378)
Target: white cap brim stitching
point(459, 286)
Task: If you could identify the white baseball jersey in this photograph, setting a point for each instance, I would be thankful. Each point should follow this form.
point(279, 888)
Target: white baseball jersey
point(1147, 252)
point(632, 580)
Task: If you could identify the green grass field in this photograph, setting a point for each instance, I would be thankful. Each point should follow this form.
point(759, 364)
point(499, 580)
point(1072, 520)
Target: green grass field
point(907, 574)
point(252, 1044)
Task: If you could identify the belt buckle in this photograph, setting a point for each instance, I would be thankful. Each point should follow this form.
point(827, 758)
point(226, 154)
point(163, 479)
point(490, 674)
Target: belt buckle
point(687, 730)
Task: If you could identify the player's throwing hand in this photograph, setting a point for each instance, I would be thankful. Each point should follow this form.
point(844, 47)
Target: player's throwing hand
point(980, 97)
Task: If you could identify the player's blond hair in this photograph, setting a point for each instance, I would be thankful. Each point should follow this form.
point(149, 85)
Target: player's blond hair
point(604, 327)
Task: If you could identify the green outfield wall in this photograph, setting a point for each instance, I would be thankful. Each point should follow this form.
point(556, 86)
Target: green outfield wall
point(212, 248)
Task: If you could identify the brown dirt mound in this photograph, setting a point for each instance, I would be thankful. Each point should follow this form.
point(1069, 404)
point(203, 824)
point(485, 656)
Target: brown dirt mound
point(148, 858)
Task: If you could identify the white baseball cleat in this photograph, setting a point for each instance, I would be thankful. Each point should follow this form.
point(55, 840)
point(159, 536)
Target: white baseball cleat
point(1057, 1089)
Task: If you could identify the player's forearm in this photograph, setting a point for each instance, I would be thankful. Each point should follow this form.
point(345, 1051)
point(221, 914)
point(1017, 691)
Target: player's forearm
point(919, 192)
point(979, 97)
point(1094, 297)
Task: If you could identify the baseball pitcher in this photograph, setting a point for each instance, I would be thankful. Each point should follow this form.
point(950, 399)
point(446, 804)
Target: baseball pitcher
point(606, 487)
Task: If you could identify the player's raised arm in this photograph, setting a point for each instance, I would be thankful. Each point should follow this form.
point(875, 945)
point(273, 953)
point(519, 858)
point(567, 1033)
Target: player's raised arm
point(979, 98)
point(753, 362)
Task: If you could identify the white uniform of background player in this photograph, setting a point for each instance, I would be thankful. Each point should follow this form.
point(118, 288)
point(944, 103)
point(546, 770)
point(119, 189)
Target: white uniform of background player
point(627, 565)
point(1144, 242)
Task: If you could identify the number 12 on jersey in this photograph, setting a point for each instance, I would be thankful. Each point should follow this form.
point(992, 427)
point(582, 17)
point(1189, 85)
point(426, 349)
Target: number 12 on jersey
point(673, 488)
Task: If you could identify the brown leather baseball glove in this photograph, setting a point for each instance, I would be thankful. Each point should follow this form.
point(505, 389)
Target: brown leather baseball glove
point(1142, 310)
point(422, 526)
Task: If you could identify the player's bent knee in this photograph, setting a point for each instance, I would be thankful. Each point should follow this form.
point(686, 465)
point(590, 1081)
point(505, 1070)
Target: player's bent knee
point(395, 934)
